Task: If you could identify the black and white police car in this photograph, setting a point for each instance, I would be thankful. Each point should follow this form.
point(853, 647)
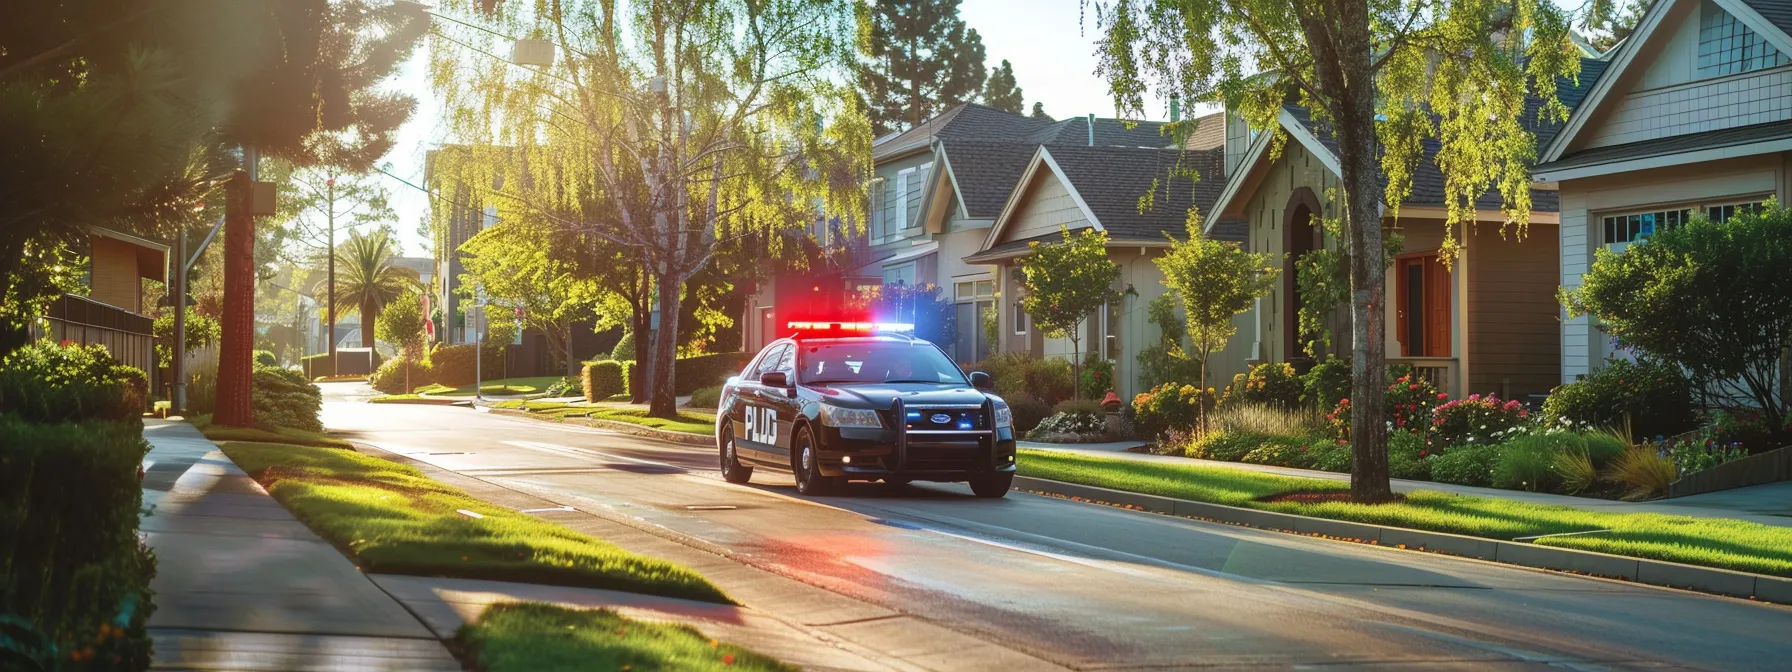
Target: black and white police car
point(860, 401)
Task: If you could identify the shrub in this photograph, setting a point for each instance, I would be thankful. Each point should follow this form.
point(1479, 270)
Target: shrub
point(1078, 407)
point(390, 377)
point(1049, 380)
point(265, 358)
point(1465, 465)
point(603, 380)
point(1476, 419)
point(284, 398)
point(1267, 420)
point(706, 397)
point(697, 372)
point(1169, 407)
point(1574, 470)
point(74, 567)
point(1528, 461)
point(1409, 403)
point(201, 331)
point(1408, 457)
point(564, 387)
point(1060, 426)
point(1326, 384)
point(1273, 384)
point(452, 365)
point(1332, 456)
point(1698, 453)
point(1642, 472)
point(1605, 445)
point(625, 348)
point(1311, 452)
point(1097, 377)
point(1655, 398)
point(49, 382)
point(1028, 411)
point(1226, 446)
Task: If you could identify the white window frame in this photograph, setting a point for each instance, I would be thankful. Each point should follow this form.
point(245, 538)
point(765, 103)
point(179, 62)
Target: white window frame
point(1021, 320)
point(901, 204)
point(1700, 207)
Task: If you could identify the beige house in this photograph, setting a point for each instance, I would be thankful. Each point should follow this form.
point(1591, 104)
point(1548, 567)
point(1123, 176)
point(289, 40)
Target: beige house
point(1694, 115)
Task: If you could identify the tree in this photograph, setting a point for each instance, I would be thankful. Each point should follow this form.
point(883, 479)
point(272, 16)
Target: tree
point(369, 280)
point(1386, 78)
point(1216, 281)
point(666, 130)
point(1619, 28)
point(201, 331)
point(1709, 297)
point(1001, 91)
point(926, 307)
point(401, 324)
point(521, 267)
point(1066, 282)
point(317, 202)
point(1039, 111)
point(918, 59)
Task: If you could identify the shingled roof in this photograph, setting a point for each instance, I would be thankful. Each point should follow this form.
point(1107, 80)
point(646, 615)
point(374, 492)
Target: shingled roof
point(985, 172)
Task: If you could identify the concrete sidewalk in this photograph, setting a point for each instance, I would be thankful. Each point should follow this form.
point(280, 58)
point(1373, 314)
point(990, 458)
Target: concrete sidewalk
point(242, 585)
point(1741, 504)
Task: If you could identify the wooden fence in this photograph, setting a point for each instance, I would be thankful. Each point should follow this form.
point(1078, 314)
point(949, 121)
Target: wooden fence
point(1770, 467)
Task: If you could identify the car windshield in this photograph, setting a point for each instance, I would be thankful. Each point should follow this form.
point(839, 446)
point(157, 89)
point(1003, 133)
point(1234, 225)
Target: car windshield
point(872, 361)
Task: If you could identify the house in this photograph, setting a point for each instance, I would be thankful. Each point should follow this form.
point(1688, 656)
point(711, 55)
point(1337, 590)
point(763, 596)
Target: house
point(1694, 115)
point(112, 312)
point(1487, 322)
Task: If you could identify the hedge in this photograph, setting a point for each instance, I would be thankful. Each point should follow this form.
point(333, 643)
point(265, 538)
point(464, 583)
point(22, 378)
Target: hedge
point(452, 365)
point(285, 398)
point(390, 377)
point(48, 382)
point(74, 579)
point(695, 373)
point(603, 379)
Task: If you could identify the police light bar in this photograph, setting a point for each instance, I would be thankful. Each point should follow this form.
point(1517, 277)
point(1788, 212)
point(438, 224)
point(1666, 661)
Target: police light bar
point(865, 327)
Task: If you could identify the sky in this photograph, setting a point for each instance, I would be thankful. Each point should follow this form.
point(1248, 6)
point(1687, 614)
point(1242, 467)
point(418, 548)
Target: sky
point(1050, 43)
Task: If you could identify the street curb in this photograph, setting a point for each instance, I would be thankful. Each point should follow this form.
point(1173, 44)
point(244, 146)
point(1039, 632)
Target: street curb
point(685, 438)
point(421, 401)
point(1732, 583)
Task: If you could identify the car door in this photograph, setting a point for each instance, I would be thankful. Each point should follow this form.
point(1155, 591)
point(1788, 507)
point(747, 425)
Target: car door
point(755, 424)
point(781, 405)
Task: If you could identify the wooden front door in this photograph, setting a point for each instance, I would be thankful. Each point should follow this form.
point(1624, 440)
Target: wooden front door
point(1422, 306)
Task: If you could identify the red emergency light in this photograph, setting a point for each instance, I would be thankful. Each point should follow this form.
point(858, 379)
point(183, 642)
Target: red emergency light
point(859, 327)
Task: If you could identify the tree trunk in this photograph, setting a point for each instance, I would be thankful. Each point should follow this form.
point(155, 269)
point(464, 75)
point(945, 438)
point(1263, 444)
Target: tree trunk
point(1368, 278)
point(237, 344)
point(572, 363)
point(369, 314)
point(637, 389)
point(664, 401)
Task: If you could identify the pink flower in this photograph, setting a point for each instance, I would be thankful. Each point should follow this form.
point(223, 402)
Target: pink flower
point(1441, 395)
point(1474, 397)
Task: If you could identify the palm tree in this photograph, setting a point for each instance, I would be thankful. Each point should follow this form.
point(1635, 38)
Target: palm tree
point(369, 279)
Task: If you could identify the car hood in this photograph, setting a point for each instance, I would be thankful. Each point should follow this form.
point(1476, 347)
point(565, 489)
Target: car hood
point(881, 395)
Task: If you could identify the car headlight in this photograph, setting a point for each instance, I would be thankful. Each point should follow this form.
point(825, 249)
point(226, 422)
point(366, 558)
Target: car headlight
point(1004, 416)
point(840, 416)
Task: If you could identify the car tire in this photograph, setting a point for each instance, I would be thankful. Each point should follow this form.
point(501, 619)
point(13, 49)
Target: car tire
point(732, 470)
point(993, 486)
point(806, 466)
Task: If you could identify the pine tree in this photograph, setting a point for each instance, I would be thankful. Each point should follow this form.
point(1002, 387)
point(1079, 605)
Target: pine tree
point(1039, 111)
point(917, 59)
point(1001, 91)
point(1621, 25)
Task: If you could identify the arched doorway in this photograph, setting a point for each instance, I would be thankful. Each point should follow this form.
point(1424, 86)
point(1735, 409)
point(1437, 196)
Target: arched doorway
point(1300, 234)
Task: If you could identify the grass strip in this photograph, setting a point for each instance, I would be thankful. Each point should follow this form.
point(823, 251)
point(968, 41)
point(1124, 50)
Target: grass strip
point(528, 636)
point(1709, 542)
point(694, 423)
point(390, 517)
point(286, 435)
point(528, 385)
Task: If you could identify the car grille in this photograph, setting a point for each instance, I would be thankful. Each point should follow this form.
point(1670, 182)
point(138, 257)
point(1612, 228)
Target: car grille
point(947, 419)
point(948, 438)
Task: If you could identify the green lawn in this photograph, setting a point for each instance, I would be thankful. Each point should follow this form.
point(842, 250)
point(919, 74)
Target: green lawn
point(221, 433)
point(391, 518)
point(533, 636)
point(1728, 544)
point(531, 385)
point(693, 421)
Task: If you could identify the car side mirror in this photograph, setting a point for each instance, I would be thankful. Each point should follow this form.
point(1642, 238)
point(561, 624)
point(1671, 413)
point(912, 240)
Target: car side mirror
point(774, 379)
point(982, 381)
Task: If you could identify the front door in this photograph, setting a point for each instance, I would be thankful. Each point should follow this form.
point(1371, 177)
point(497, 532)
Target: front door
point(1422, 306)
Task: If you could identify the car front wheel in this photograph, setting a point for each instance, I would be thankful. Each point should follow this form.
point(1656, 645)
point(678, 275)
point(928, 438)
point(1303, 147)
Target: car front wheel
point(807, 467)
point(732, 470)
point(992, 486)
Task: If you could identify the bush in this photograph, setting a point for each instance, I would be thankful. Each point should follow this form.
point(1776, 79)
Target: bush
point(563, 387)
point(1272, 384)
point(706, 397)
point(284, 398)
point(1226, 446)
point(265, 358)
point(1476, 419)
point(1574, 470)
point(1465, 465)
point(1028, 412)
point(1097, 377)
point(389, 378)
point(1016, 373)
point(625, 348)
point(1642, 472)
point(1267, 420)
point(201, 331)
point(1326, 384)
point(1300, 453)
point(1170, 407)
point(1078, 407)
point(603, 380)
point(1528, 461)
point(48, 382)
point(1060, 426)
point(697, 372)
point(74, 567)
point(1409, 403)
point(1655, 398)
point(1408, 457)
point(453, 366)
point(1605, 445)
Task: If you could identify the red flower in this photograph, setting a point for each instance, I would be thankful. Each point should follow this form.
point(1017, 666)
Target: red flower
point(1441, 395)
point(1423, 453)
point(1413, 386)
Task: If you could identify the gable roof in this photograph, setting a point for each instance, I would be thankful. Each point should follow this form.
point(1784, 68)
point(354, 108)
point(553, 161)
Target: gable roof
point(966, 121)
point(984, 172)
point(1723, 142)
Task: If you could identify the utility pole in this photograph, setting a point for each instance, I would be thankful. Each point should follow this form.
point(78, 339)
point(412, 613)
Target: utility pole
point(330, 217)
point(177, 366)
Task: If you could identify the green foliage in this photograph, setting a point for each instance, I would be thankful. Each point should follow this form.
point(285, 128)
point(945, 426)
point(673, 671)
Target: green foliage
point(706, 397)
point(1409, 399)
point(1269, 383)
point(1705, 296)
point(530, 636)
point(1001, 91)
point(1477, 419)
point(285, 398)
point(1268, 420)
point(1408, 457)
point(368, 278)
point(917, 59)
point(1326, 384)
point(1020, 374)
point(1465, 465)
point(390, 377)
point(201, 331)
point(604, 379)
point(1574, 469)
point(1169, 407)
point(532, 265)
point(625, 348)
point(1322, 277)
point(1527, 462)
point(1067, 281)
point(1166, 361)
point(402, 325)
point(1070, 426)
point(1097, 377)
point(1605, 445)
point(1028, 411)
point(75, 571)
point(699, 371)
point(1227, 446)
point(453, 364)
point(1642, 472)
point(1655, 399)
point(1216, 281)
point(265, 358)
point(48, 382)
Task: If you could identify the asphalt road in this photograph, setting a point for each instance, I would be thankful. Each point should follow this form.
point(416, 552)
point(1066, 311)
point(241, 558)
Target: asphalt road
point(1093, 587)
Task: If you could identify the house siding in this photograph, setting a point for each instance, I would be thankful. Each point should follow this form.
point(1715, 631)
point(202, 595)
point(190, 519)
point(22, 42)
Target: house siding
point(1045, 207)
point(1266, 208)
point(1512, 328)
point(116, 279)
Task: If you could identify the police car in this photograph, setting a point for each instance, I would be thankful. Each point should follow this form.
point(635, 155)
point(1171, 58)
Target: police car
point(858, 401)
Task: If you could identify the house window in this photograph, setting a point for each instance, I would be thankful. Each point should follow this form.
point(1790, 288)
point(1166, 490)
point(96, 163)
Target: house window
point(968, 291)
point(1727, 46)
point(900, 275)
point(1723, 213)
point(1020, 318)
point(877, 209)
point(1625, 229)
